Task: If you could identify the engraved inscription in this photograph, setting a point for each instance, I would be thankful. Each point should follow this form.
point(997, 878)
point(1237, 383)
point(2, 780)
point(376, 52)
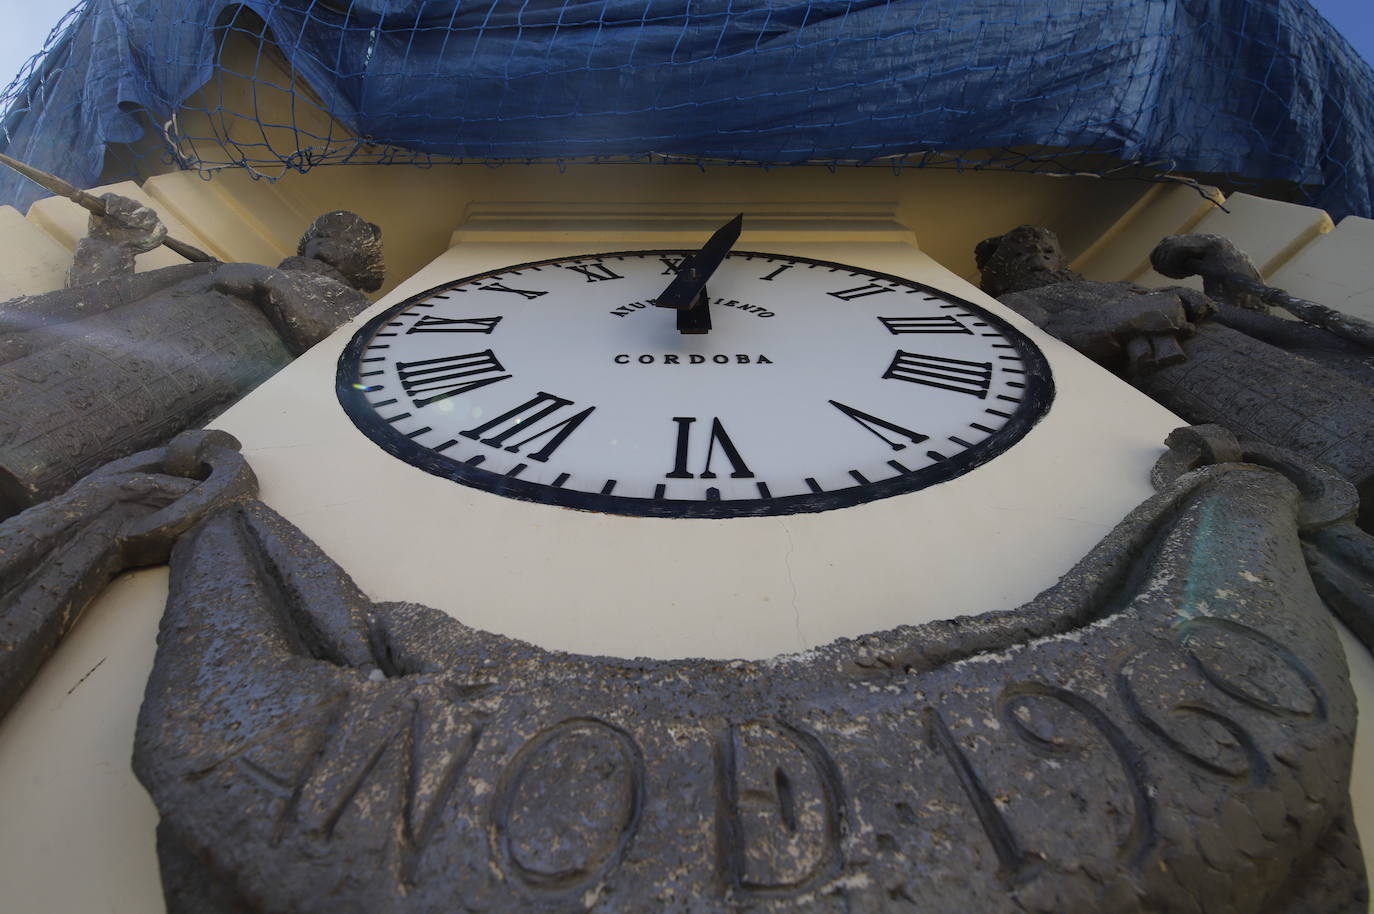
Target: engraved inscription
point(1183, 721)
point(1253, 668)
point(568, 805)
point(369, 764)
point(1026, 704)
point(1013, 862)
point(780, 809)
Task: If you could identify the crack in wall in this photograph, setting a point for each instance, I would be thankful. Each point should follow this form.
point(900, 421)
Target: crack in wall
point(792, 583)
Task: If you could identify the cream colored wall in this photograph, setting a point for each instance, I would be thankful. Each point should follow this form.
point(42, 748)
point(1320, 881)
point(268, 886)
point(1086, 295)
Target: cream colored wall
point(1279, 237)
point(34, 261)
point(1336, 269)
point(237, 218)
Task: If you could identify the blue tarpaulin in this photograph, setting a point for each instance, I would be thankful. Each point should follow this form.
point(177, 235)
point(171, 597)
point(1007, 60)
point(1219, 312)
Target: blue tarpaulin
point(1261, 90)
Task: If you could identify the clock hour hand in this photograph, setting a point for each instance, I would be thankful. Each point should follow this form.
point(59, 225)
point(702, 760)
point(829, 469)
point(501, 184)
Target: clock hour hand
point(687, 292)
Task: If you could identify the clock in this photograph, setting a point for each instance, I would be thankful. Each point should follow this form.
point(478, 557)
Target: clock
point(819, 385)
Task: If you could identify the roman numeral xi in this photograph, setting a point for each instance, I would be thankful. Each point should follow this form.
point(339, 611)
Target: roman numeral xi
point(595, 272)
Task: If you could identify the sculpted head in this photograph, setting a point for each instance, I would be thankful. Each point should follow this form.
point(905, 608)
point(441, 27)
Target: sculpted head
point(349, 244)
point(1024, 258)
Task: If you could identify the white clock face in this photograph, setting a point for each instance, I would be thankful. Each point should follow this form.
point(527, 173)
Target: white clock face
point(819, 386)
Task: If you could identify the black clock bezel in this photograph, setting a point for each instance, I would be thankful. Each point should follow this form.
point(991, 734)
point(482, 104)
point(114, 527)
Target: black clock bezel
point(1038, 396)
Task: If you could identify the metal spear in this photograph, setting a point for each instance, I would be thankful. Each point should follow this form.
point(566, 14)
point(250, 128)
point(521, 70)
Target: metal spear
point(94, 204)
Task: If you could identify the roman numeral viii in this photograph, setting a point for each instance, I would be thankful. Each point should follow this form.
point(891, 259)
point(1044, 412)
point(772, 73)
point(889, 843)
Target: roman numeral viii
point(873, 424)
point(429, 380)
point(936, 371)
point(527, 418)
point(718, 437)
point(428, 324)
point(940, 324)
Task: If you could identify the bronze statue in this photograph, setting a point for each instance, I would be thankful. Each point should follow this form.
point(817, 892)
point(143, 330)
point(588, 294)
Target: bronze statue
point(58, 556)
point(1307, 387)
point(122, 361)
point(1168, 728)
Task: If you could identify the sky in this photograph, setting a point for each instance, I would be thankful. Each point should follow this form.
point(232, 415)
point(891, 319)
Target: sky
point(1354, 19)
point(27, 23)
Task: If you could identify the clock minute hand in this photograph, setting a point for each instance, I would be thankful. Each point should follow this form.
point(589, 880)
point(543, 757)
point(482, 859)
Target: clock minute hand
point(687, 292)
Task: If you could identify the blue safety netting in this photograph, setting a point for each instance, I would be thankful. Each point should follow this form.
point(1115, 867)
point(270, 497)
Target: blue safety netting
point(1255, 93)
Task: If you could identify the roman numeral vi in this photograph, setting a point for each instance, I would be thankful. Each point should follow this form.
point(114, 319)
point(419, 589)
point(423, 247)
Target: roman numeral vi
point(718, 437)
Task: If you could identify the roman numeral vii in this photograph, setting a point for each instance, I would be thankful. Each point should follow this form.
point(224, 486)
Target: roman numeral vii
point(527, 418)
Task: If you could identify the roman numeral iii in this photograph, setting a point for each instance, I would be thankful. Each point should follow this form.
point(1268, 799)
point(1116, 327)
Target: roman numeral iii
point(942, 323)
point(936, 371)
point(718, 437)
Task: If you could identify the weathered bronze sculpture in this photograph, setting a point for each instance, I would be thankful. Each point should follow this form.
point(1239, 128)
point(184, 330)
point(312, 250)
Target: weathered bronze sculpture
point(1167, 729)
point(1298, 386)
point(56, 557)
point(121, 361)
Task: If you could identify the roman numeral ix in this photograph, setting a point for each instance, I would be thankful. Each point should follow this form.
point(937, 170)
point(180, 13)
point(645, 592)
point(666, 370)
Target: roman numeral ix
point(430, 380)
point(525, 418)
point(428, 324)
point(936, 371)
